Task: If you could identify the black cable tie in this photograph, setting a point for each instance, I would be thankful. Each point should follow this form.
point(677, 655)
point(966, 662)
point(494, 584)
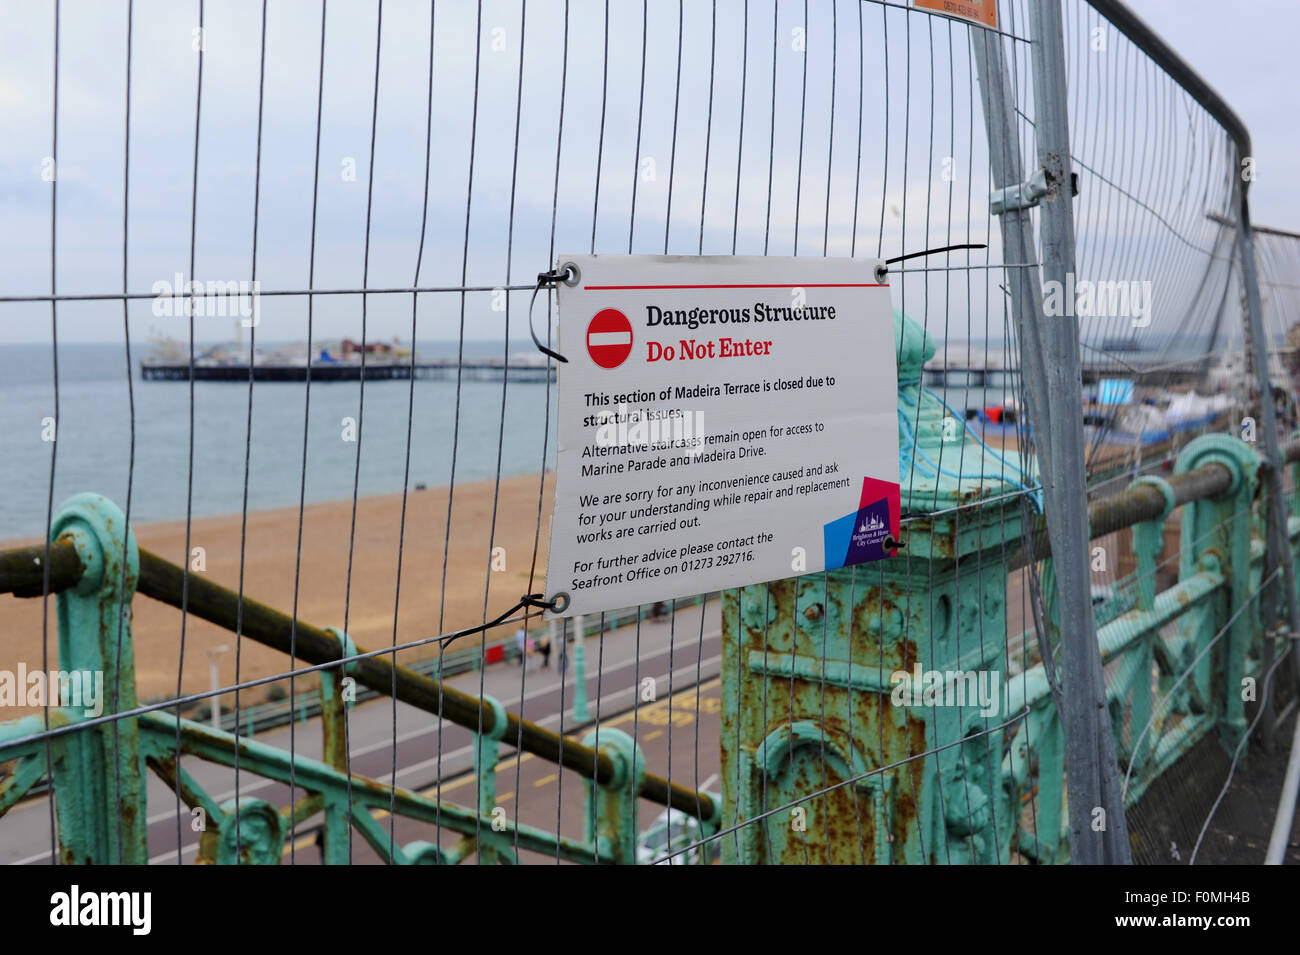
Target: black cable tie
point(946, 248)
point(539, 601)
point(546, 280)
point(554, 277)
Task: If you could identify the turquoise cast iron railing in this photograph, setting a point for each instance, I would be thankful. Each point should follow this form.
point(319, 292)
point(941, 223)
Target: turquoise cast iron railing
point(260, 717)
point(96, 569)
point(809, 726)
point(822, 763)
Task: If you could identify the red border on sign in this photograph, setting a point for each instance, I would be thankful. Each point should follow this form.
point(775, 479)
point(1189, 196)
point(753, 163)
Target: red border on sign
point(625, 288)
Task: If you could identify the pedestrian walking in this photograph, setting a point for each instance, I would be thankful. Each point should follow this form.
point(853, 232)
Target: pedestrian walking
point(544, 647)
point(521, 645)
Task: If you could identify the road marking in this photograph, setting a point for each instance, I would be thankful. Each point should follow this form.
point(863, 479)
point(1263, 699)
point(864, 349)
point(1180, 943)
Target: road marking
point(504, 766)
point(513, 701)
point(638, 712)
point(262, 783)
point(553, 718)
point(306, 842)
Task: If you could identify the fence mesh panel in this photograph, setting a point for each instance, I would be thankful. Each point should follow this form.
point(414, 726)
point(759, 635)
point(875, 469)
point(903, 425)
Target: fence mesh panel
point(394, 178)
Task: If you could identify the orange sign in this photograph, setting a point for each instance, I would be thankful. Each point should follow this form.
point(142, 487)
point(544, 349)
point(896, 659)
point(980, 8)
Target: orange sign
point(984, 12)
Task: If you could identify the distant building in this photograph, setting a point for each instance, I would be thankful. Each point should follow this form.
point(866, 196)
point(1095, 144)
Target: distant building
point(348, 346)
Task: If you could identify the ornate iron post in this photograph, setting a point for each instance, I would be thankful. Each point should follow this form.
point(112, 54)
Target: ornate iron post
point(1221, 527)
point(835, 684)
point(611, 809)
point(98, 773)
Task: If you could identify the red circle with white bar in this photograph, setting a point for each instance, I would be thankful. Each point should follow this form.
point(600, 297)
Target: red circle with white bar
point(609, 338)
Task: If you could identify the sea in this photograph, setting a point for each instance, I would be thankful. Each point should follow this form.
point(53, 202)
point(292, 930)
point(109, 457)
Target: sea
point(94, 449)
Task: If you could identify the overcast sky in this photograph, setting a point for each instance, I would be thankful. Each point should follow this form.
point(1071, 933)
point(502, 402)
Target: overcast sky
point(1243, 50)
point(822, 199)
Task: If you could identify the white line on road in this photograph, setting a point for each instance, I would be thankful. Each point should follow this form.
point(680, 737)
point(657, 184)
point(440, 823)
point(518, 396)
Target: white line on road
point(463, 751)
point(554, 718)
point(405, 737)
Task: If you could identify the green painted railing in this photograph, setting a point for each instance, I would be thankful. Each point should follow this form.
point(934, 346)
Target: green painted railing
point(818, 761)
point(823, 762)
point(96, 570)
point(260, 717)
point(1166, 691)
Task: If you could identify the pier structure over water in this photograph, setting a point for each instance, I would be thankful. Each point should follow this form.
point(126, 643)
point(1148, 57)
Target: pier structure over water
point(440, 370)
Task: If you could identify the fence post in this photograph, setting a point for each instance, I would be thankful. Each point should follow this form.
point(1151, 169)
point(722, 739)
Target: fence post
point(1026, 292)
point(611, 809)
point(1091, 769)
point(98, 773)
point(1278, 537)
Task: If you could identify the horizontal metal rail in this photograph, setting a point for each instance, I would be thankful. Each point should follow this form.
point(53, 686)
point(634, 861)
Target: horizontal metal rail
point(1135, 505)
point(1145, 503)
point(22, 574)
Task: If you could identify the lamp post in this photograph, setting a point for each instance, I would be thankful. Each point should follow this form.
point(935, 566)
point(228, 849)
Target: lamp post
point(214, 675)
point(579, 673)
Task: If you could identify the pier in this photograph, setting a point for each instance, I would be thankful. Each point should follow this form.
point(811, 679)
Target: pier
point(493, 370)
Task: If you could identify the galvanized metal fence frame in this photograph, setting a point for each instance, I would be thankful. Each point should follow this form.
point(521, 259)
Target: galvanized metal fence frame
point(1058, 246)
point(801, 631)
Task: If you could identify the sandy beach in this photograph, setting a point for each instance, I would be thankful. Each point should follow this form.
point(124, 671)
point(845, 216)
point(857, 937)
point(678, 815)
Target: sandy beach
point(324, 595)
point(323, 591)
point(323, 585)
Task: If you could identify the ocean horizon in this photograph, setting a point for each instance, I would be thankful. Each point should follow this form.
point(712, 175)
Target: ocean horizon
point(93, 449)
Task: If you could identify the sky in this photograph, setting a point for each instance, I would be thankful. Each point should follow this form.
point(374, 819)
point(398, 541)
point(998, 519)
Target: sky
point(1245, 54)
point(855, 131)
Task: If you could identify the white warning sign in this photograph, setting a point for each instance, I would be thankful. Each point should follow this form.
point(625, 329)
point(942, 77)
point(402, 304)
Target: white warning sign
point(722, 421)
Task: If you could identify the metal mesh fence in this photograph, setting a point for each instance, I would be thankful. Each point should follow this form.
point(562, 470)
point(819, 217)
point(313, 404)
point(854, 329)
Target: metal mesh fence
point(394, 178)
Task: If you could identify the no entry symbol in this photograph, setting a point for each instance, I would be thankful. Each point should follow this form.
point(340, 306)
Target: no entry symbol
point(609, 338)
